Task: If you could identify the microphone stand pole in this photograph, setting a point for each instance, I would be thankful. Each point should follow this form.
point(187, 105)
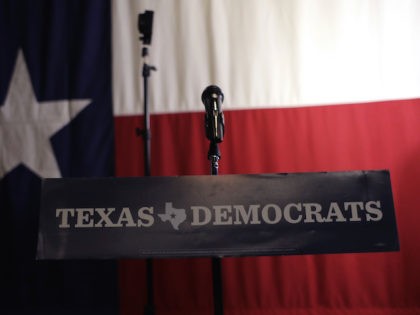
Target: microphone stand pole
point(214, 157)
point(146, 134)
point(145, 25)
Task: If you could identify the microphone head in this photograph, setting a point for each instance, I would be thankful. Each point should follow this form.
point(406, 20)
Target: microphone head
point(211, 92)
point(212, 98)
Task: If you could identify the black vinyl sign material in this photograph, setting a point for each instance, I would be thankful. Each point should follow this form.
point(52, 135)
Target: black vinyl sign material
point(227, 215)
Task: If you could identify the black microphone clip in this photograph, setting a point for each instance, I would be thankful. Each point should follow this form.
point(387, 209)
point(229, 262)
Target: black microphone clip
point(212, 99)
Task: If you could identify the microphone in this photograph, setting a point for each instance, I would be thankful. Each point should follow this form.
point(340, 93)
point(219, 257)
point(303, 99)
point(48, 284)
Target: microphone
point(212, 99)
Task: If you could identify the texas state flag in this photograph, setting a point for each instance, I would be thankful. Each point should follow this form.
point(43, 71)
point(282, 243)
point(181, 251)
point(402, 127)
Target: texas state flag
point(323, 85)
point(55, 121)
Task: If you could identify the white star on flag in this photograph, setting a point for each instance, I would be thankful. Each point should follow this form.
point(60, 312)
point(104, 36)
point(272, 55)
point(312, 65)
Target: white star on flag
point(27, 125)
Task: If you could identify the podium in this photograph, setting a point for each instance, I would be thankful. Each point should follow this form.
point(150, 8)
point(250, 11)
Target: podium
point(217, 216)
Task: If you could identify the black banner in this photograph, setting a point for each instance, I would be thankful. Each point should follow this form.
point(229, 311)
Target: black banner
point(227, 215)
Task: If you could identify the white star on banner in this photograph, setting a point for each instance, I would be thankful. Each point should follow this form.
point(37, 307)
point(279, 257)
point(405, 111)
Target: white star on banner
point(27, 125)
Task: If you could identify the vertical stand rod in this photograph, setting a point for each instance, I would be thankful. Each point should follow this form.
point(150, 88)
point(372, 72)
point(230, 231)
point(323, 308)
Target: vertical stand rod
point(217, 285)
point(145, 23)
point(214, 157)
point(149, 308)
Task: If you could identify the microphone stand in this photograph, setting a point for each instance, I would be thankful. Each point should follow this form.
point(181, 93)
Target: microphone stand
point(214, 157)
point(212, 97)
point(145, 26)
point(149, 308)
